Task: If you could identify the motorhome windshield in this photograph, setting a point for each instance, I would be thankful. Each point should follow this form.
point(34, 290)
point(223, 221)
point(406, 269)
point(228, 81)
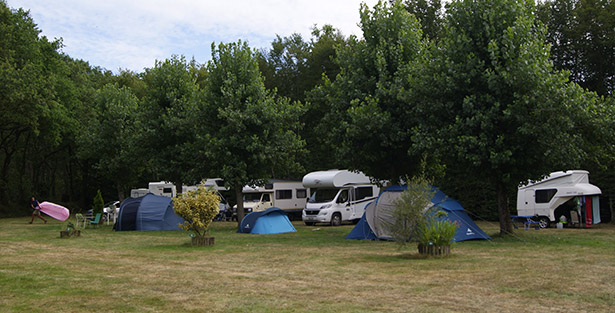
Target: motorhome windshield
point(323, 195)
point(252, 197)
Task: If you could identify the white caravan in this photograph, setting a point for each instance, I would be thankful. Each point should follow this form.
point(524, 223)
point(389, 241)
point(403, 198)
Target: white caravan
point(289, 196)
point(337, 196)
point(567, 194)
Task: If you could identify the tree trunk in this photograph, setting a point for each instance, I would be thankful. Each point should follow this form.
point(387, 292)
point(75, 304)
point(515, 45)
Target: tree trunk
point(239, 198)
point(503, 212)
point(120, 191)
point(178, 186)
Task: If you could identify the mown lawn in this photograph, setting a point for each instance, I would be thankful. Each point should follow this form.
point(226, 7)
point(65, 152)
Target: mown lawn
point(315, 269)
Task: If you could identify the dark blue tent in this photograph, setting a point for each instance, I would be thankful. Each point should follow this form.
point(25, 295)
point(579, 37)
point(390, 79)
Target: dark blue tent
point(270, 221)
point(150, 212)
point(362, 230)
point(371, 224)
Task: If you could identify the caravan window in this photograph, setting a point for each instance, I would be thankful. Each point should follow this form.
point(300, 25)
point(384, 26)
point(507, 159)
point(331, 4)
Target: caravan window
point(545, 195)
point(301, 193)
point(284, 194)
point(167, 190)
point(364, 192)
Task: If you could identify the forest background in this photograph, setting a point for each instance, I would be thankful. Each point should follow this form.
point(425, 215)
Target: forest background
point(488, 93)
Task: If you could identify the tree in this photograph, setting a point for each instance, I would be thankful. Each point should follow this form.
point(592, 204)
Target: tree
point(167, 129)
point(430, 15)
point(583, 41)
point(497, 109)
point(108, 137)
point(246, 133)
point(371, 103)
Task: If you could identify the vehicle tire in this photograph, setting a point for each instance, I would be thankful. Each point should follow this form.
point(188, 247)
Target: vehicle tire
point(544, 222)
point(309, 223)
point(336, 219)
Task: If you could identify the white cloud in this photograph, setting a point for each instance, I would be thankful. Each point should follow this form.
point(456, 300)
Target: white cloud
point(132, 34)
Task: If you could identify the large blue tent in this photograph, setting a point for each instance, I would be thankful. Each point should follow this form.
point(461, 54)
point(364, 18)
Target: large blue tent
point(270, 221)
point(150, 212)
point(371, 225)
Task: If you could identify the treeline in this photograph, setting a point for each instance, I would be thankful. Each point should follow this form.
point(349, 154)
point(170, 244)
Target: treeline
point(471, 94)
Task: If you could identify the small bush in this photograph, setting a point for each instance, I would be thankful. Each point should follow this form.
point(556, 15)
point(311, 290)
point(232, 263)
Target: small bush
point(416, 218)
point(98, 203)
point(409, 211)
point(198, 208)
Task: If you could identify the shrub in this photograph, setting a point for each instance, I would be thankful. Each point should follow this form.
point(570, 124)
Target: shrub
point(98, 204)
point(416, 218)
point(198, 208)
point(409, 211)
point(436, 231)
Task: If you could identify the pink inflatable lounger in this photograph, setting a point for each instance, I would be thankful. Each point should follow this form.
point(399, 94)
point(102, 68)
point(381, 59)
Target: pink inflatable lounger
point(54, 210)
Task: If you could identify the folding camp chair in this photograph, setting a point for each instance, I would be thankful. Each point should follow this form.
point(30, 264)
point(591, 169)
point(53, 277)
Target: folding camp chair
point(96, 220)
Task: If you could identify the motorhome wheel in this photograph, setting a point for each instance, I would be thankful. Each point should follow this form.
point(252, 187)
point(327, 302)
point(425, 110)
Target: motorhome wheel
point(543, 222)
point(336, 219)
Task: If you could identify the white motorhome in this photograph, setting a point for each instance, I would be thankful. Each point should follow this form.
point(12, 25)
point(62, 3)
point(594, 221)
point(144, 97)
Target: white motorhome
point(566, 193)
point(289, 196)
point(337, 196)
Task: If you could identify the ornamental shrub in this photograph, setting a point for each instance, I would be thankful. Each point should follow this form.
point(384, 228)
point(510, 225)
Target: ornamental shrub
point(98, 203)
point(198, 208)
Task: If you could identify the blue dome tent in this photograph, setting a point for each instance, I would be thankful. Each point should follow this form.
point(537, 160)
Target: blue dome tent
point(270, 221)
point(371, 226)
point(149, 212)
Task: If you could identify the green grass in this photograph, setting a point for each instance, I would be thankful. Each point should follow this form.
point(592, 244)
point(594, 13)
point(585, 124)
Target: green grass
point(314, 269)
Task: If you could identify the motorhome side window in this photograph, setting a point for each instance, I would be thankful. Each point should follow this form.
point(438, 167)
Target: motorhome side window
point(266, 197)
point(545, 195)
point(167, 190)
point(364, 192)
point(284, 194)
point(301, 193)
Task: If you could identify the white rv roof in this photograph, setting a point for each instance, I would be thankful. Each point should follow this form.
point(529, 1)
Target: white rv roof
point(334, 178)
point(575, 182)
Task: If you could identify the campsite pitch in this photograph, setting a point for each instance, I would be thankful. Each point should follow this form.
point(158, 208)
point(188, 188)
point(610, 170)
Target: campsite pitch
point(314, 269)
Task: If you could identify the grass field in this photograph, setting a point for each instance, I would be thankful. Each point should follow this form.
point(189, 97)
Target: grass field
point(315, 269)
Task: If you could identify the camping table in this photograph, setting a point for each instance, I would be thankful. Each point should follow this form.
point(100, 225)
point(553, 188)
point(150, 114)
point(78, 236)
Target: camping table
point(527, 221)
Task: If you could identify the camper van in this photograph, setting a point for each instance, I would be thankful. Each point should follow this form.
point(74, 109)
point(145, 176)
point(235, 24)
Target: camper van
point(289, 196)
point(568, 194)
point(337, 196)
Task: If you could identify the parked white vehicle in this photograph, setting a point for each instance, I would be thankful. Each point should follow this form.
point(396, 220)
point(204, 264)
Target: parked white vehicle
point(567, 194)
point(289, 196)
point(168, 189)
point(337, 196)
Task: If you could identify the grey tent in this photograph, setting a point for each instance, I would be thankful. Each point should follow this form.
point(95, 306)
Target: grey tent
point(378, 213)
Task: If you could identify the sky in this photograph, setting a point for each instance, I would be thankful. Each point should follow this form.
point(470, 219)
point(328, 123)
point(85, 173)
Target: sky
point(131, 35)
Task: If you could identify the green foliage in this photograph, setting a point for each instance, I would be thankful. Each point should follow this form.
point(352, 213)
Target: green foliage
point(245, 132)
point(167, 128)
point(582, 38)
point(437, 230)
point(430, 15)
point(98, 204)
point(371, 104)
point(408, 217)
point(198, 208)
point(108, 137)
